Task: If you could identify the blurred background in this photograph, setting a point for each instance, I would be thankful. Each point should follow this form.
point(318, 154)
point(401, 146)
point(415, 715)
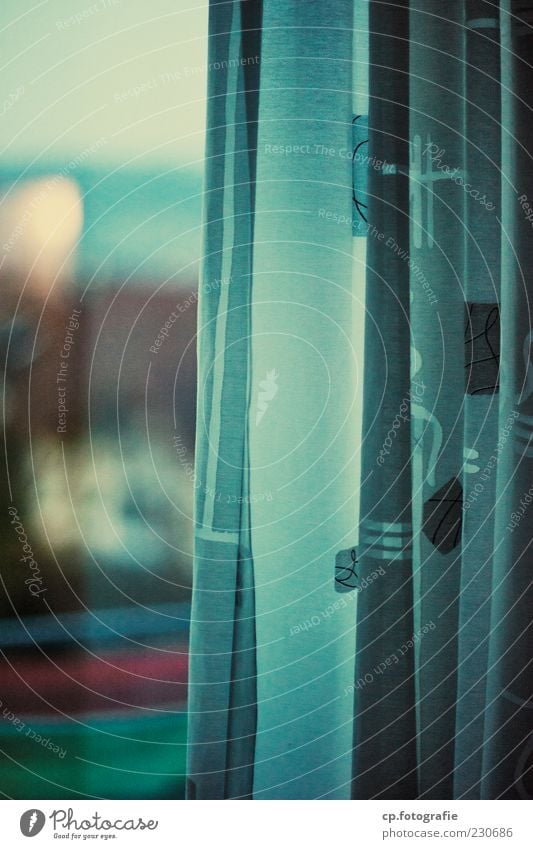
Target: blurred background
point(101, 138)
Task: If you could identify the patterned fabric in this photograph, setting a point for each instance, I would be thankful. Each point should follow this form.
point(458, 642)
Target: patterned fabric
point(362, 600)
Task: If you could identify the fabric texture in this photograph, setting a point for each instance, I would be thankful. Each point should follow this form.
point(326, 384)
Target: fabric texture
point(361, 623)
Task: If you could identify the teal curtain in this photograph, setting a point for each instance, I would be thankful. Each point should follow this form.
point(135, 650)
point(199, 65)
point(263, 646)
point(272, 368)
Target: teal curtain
point(361, 623)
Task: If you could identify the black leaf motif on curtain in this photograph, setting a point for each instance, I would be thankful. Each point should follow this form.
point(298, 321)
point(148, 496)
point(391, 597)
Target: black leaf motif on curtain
point(359, 174)
point(443, 516)
point(346, 578)
point(482, 348)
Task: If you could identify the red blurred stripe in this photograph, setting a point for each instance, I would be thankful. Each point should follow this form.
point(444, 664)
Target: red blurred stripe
point(114, 681)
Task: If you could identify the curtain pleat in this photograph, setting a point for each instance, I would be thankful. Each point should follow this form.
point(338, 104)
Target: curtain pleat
point(303, 449)
point(222, 704)
point(385, 726)
point(482, 342)
point(507, 770)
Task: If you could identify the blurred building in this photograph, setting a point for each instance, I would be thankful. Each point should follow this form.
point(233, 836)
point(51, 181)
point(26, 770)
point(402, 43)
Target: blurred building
point(98, 329)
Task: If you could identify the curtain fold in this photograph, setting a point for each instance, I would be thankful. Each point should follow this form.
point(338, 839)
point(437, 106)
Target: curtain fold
point(303, 449)
point(385, 731)
point(507, 770)
point(361, 622)
point(222, 703)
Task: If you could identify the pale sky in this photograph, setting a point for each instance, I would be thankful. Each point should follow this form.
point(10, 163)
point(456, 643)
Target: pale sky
point(125, 77)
